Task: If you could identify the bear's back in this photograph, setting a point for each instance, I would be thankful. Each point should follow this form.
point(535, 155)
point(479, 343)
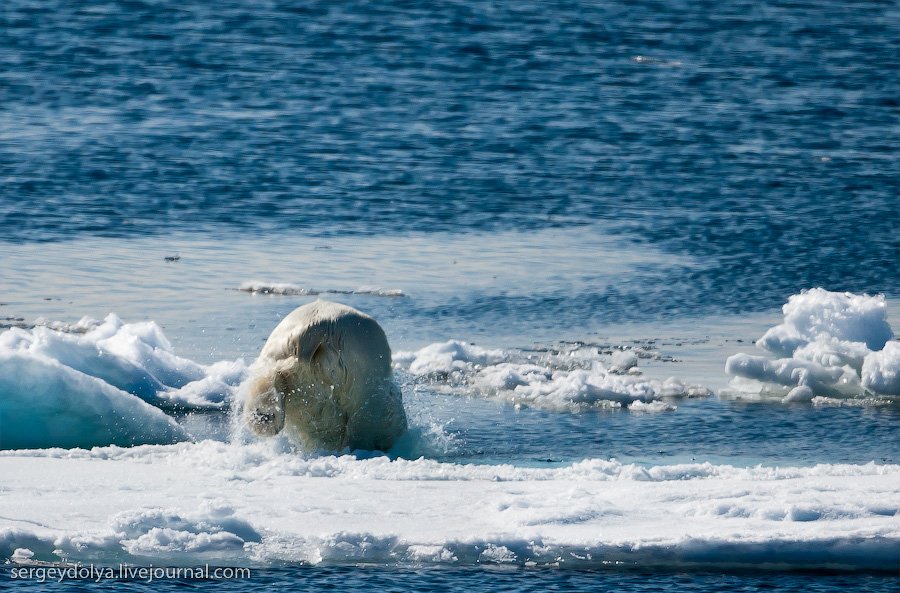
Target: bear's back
point(335, 330)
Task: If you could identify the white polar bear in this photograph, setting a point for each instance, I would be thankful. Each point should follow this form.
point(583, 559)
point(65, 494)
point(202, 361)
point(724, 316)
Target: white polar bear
point(324, 376)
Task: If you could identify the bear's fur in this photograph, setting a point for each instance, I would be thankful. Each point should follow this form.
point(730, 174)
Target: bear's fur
point(324, 377)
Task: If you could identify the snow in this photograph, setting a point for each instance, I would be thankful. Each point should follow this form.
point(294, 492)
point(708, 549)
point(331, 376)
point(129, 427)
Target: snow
point(259, 505)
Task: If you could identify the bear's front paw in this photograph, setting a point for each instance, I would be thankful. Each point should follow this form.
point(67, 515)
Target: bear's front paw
point(266, 416)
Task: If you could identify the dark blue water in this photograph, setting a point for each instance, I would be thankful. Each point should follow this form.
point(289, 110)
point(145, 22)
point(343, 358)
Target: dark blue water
point(496, 580)
point(759, 137)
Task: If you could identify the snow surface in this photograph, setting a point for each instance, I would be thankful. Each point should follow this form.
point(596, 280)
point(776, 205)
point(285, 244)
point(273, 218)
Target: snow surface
point(572, 380)
point(261, 504)
point(831, 344)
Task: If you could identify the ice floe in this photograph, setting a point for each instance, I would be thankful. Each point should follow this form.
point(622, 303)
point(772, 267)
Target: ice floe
point(99, 383)
point(575, 379)
point(256, 505)
point(830, 344)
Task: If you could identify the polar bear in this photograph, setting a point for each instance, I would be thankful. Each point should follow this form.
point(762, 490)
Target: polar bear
point(324, 377)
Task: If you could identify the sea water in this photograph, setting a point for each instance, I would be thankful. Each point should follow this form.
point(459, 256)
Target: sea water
point(567, 218)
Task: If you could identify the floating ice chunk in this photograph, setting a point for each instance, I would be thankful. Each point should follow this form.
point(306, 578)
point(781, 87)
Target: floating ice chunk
point(494, 554)
point(281, 288)
point(818, 314)
point(856, 402)
point(623, 360)
point(784, 371)
point(585, 387)
point(446, 357)
point(508, 376)
point(83, 325)
point(800, 393)
point(376, 291)
point(136, 358)
point(433, 554)
point(832, 344)
point(595, 387)
point(881, 370)
point(257, 287)
point(654, 406)
point(44, 403)
point(84, 388)
point(21, 556)
point(565, 381)
point(214, 390)
point(85, 354)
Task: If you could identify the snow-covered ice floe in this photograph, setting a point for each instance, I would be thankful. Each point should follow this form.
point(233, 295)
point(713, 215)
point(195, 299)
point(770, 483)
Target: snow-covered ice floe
point(259, 505)
point(830, 345)
point(573, 379)
point(100, 383)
